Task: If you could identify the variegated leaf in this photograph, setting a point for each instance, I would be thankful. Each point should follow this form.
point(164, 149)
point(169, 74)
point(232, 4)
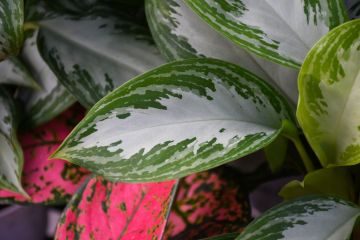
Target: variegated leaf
point(91, 56)
point(280, 30)
point(105, 210)
point(329, 84)
point(13, 71)
point(353, 8)
point(180, 34)
point(11, 27)
point(53, 98)
point(11, 155)
point(181, 118)
point(209, 203)
point(320, 218)
point(337, 182)
point(48, 182)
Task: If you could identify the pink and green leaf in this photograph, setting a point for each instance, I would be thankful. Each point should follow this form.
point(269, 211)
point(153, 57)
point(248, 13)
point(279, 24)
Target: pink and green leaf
point(106, 210)
point(50, 182)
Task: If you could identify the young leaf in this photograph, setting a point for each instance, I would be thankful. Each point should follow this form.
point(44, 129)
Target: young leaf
point(13, 71)
point(207, 204)
point(105, 210)
point(180, 34)
point(336, 182)
point(11, 155)
point(320, 218)
point(11, 27)
point(48, 182)
point(93, 55)
point(180, 118)
point(329, 84)
point(281, 31)
point(53, 98)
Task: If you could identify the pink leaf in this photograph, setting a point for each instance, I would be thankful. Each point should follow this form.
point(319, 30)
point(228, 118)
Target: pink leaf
point(207, 204)
point(48, 181)
point(105, 210)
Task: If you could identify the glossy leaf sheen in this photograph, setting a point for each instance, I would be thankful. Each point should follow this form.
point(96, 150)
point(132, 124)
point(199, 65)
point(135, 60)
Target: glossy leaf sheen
point(180, 34)
point(181, 118)
point(11, 155)
point(280, 30)
point(329, 84)
point(93, 55)
point(105, 210)
point(13, 71)
point(48, 182)
point(11, 27)
point(53, 98)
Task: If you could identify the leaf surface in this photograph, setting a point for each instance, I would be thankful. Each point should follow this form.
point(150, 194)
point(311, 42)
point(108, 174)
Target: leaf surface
point(280, 30)
point(91, 56)
point(105, 210)
point(48, 182)
point(11, 27)
point(302, 218)
point(329, 84)
point(181, 118)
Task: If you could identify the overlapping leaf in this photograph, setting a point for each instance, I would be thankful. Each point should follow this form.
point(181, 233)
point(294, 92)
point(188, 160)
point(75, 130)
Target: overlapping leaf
point(48, 182)
point(53, 98)
point(180, 118)
point(208, 203)
point(180, 33)
point(320, 218)
point(93, 55)
point(11, 155)
point(13, 71)
point(281, 31)
point(11, 27)
point(329, 84)
point(105, 210)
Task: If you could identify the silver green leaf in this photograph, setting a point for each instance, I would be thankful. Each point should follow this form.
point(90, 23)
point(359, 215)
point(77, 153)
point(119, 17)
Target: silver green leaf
point(14, 72)
point(11, 155)
point(329, 85)
point(91, 56)
point(180, 118)
point(53, 98)
point(11, 27)
point(315, 217)
point(280, 30)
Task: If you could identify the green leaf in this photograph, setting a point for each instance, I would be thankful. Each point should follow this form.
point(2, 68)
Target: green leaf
point(13, 71)
point(281, 31)
point(328, 181)
point(276, 153)
point(11, 27)
point(181, 118)
point(11, 155)
point(329, 84)
point(91, 56)
point(53, 98)
point(320, 218)
point(180, 34)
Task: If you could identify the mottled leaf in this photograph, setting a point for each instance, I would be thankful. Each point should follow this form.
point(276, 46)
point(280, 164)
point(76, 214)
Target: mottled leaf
point(53, 98)
point(180, 118)
point(93, 55)
point(207, 204)
point(336, 182)
point(11, 27)
point(105, 210)
point(180, 34)
point(320, 218)
point(329, 85)
point(280, 30)
point(13, 71)
point(11, 155)
point(48, 182)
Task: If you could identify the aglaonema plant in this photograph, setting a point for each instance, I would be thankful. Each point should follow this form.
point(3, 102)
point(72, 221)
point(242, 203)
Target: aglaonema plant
point(242, 77)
